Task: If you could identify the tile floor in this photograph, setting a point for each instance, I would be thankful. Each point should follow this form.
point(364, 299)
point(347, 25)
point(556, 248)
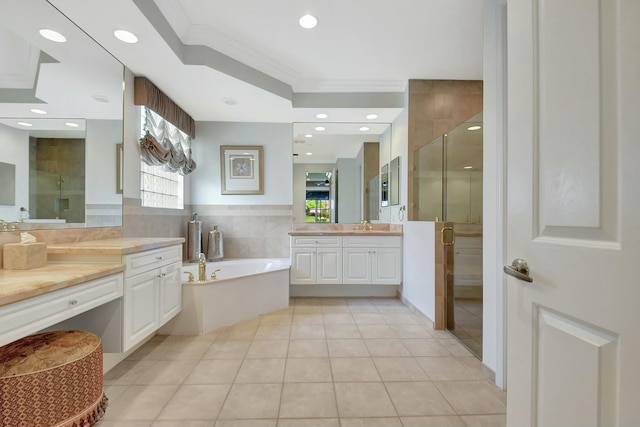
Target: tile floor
point(322, 362)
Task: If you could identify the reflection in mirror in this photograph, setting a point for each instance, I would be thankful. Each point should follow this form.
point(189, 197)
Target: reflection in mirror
point(384, 185)
point(394, 181)
point(75, 82)
point(350, 155)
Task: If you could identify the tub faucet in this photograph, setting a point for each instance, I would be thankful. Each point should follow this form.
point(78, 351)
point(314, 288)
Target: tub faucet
point(202, 268)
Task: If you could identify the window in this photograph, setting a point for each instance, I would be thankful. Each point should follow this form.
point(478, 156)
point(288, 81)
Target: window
point(159, 188)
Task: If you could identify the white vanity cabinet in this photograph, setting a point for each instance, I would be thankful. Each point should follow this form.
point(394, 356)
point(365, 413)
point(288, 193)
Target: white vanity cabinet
point(152, 292)
point(372, 260)
point(316, 260)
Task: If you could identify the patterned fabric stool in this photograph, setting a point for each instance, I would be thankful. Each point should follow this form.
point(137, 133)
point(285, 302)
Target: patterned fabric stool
point(52, 379)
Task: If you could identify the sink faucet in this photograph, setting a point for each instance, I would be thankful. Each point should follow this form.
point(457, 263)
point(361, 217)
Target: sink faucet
point(202, 268)
point(363, 226)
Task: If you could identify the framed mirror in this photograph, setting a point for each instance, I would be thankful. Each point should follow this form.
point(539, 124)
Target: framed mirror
point(394, 181)
point(384, 185)
point(348, 156)
point(61, 117)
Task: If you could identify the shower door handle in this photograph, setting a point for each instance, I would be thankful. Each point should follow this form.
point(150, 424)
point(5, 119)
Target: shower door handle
point(518, 269)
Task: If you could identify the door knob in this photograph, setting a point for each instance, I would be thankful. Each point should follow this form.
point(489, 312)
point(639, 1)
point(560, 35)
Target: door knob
point(518, 269)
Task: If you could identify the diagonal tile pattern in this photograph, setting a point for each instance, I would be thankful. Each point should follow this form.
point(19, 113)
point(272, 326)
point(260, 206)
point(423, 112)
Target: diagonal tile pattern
point(322, 362)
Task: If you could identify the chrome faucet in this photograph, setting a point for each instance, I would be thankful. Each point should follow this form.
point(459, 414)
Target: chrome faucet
point(202, 268)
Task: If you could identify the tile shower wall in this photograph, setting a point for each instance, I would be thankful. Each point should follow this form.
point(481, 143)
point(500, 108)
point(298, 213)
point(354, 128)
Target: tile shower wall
point(250, 231)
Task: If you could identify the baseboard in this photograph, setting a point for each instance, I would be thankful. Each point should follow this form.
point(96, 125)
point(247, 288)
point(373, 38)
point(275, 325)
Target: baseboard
point(343, 290)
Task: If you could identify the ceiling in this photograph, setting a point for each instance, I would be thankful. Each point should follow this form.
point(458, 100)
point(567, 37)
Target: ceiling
point(355, 62)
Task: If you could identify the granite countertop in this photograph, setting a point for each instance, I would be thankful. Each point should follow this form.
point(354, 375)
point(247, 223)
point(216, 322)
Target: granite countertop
point(118, 246)
point(18, 285)
point(344, 233)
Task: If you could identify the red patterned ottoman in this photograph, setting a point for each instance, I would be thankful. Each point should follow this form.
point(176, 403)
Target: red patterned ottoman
point(52, 379)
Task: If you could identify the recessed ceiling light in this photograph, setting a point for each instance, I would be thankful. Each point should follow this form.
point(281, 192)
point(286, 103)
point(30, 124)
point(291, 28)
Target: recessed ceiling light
point(321, 128)
point(474, 127)
point(25, 124)
point(126, 36)
point(468, 167)
point(308, 135)
point(308, 22)
point(72, 125)
point(54, 36)
point(38, 111)
point(230, 101)
point(322, 116)
point(372, 116)
point(308, 154)
point(364, 129)
point(100, 98)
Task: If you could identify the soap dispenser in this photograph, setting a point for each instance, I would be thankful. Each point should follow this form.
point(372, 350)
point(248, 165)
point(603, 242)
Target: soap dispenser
point(215, 245)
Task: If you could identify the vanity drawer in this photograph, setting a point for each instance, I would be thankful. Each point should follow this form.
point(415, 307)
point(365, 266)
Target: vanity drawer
point(148, 260)
point(372, 241)
point(317, 241)
point(34, 314)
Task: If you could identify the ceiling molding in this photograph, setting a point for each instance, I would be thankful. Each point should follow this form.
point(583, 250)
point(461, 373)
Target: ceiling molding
point(350, 85)
point(349, 100)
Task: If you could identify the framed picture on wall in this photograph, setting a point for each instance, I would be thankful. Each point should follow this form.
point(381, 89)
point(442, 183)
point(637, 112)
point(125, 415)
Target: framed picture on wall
point(241, 169)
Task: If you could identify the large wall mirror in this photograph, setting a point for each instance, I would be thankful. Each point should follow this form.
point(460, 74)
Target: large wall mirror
point(336, 171)
point(61, 118)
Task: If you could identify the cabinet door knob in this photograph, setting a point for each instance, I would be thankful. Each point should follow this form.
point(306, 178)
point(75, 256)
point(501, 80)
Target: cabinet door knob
point(73, 302)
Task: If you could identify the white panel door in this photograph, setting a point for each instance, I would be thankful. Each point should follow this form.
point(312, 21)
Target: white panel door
point(329, 266)
point(356, 266)
point(140, 307)
point(170, 292)
point(386, 266)
point(573, 212)
point(303, 266)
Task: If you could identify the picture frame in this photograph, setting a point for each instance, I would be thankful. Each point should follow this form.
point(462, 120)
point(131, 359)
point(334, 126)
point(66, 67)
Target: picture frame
point(241, 169)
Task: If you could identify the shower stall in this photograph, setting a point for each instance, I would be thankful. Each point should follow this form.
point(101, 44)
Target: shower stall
point(448, 188)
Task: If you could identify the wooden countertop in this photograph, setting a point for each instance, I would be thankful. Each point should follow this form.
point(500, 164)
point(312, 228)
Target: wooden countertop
point(118, 246)
point(18, 285)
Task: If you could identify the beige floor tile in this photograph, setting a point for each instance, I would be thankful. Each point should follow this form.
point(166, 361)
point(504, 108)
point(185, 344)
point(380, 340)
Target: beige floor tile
point(255, 371)
point(308, 400)
point(452, 421)
point(192, 350)
point(181, 423)
point(356, 309)
point(268, 349)
point(167, 372)
point(307, 309)
point(304, 331)
point(376, 331)
point(445, 369)
point(247, 401)
point(140, 402)
point(400, 319)
point(308, 370)
point(455, 348)
point(347, 348)
point(277, 319)
point(125, 423)
point(363, 400)
point(386, 347)
point(333, 309)
point(227, 350)
point(399, 369)
point(371, 422)
point(273, 332)
point(393, 309)
point(354, 369)
point(195, 402)
point(214, 371)
point(331, 301)
point(411, 331)
point(238, 334)
point(417, 399)
point(339, 318)
point(315, 422)
point(485, 420)
point(308, 348)
point(369, 318)
point(246, 423)
point(113, 391)
point(425, 347)
point(127, 372)
point(342, 331)
point(151, 350)
point(471, 397)
point(308, 319)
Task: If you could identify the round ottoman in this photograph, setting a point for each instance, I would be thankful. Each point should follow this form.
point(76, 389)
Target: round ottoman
point(52, 379)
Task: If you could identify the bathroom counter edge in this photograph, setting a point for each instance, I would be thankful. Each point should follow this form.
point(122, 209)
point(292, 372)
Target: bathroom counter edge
point(117, 246)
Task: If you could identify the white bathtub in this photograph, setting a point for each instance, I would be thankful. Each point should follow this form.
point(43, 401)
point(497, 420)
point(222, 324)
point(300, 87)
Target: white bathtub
point(244, 288)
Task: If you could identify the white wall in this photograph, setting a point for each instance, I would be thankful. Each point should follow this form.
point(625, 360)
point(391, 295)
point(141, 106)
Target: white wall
point(349, 191)
point(14, 146)
point(101, 139)
point(300, 185)
point(494, 114)
point(400, 147)
point(276, 138)
point(418, 259)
